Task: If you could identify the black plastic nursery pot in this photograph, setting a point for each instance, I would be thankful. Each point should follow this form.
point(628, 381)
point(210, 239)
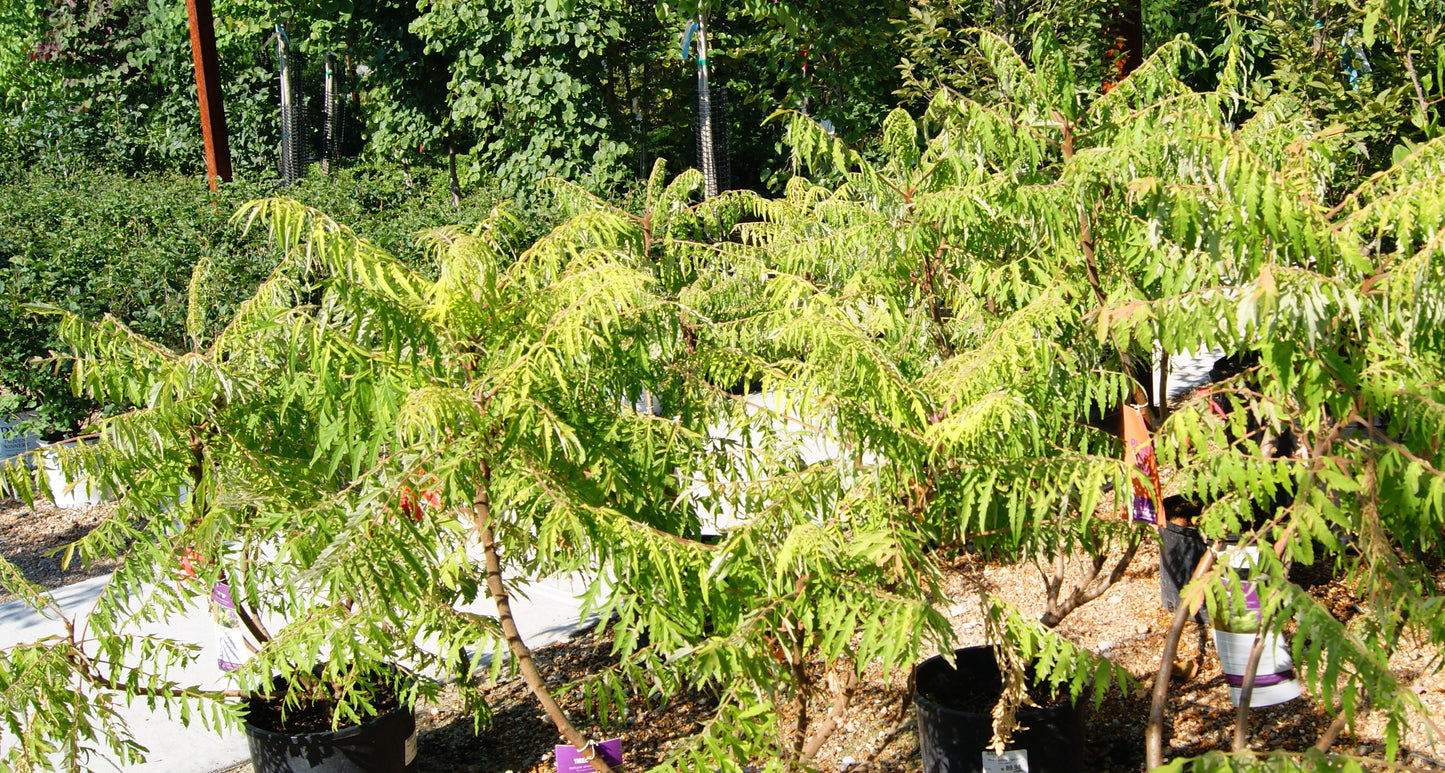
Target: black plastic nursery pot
point(1180, 549)
point(386, 744)
point(955, 723)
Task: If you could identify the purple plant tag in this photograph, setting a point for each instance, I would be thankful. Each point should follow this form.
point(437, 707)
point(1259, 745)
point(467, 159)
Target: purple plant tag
point(1245, 592)
point(569, 760)
point(1251, 597)
point(230, 639)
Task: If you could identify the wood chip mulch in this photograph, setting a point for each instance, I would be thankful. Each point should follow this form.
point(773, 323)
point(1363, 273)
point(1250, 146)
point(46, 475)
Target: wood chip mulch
point(1127, 625)
point(35, 540)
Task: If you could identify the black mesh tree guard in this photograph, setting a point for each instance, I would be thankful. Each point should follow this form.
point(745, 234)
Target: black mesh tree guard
point(293, 153)
point(333, 114)
point(714, 109)
point(293, 116)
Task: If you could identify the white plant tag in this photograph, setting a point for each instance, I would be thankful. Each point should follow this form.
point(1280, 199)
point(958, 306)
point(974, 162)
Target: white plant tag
point(1011, 761)
point(232, 643)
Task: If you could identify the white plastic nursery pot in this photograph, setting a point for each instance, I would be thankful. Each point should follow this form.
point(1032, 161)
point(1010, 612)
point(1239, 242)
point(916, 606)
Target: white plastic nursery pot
point(68, 494)
point(1274, 680)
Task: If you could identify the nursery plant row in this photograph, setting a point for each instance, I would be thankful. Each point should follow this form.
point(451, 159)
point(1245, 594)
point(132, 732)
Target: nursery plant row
point(963, 318)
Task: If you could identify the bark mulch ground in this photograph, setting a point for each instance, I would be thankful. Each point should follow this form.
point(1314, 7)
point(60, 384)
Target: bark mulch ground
point(1126, 625)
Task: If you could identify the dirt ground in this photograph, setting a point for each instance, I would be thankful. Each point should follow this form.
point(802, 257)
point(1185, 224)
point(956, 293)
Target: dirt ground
point(1127, 625)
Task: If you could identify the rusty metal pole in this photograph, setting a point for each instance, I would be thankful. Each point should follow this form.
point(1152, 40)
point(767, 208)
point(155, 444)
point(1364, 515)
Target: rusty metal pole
point(208, 90)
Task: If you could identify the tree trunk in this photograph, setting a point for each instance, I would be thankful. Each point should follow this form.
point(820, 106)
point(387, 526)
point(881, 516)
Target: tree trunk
point(1154, 732)
point(482, 525)
point(452, 170)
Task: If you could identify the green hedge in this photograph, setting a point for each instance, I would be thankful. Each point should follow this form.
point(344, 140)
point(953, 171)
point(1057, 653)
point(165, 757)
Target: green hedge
point(99, 243)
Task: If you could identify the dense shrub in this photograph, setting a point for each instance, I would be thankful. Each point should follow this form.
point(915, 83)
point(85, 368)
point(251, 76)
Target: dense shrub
point(98, 243)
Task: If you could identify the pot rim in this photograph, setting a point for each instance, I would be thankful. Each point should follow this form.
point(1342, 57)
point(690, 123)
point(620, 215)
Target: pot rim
point(345, 731)
point(339, 733)
point(1064, 704)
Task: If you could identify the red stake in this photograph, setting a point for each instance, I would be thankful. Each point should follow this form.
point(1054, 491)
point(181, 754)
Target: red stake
point(208, 89)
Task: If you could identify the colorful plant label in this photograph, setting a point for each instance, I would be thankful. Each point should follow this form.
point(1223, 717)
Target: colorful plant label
point(569, 760)
point(231, 647)
point(1147, 504)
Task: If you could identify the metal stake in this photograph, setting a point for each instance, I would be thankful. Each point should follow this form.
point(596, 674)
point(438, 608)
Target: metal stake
point(208, 91)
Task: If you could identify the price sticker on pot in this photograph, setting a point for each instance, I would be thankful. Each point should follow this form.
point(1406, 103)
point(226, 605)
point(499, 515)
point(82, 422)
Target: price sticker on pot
point(1012, 761)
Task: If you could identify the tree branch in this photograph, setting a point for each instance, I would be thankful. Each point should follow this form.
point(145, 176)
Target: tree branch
point(1415, 79)
point(1327, 739)
point(931, 269)
point(1056, 610)
point(1246, 690)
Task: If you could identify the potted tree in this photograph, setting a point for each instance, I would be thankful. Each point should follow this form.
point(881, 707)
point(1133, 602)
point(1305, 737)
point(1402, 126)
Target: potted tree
point(1327, 310)
point(938, 325)
point(953, 306)
point(280, 463)
point(228, 490)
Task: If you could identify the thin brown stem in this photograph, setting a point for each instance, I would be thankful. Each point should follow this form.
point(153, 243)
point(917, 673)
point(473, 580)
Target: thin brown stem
point(1415, 80)
point(800, 706)
point(834, 718)
point(932, 267)
point(1246, 691)
point(251, 621)
point(482, 526)
point(1327, 738)
point(1154, 733)
point(92, 674)
point(199, 505)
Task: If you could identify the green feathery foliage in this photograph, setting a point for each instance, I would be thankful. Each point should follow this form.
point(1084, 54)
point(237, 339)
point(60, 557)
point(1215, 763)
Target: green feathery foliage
point(957, 308)
point(760, 422)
